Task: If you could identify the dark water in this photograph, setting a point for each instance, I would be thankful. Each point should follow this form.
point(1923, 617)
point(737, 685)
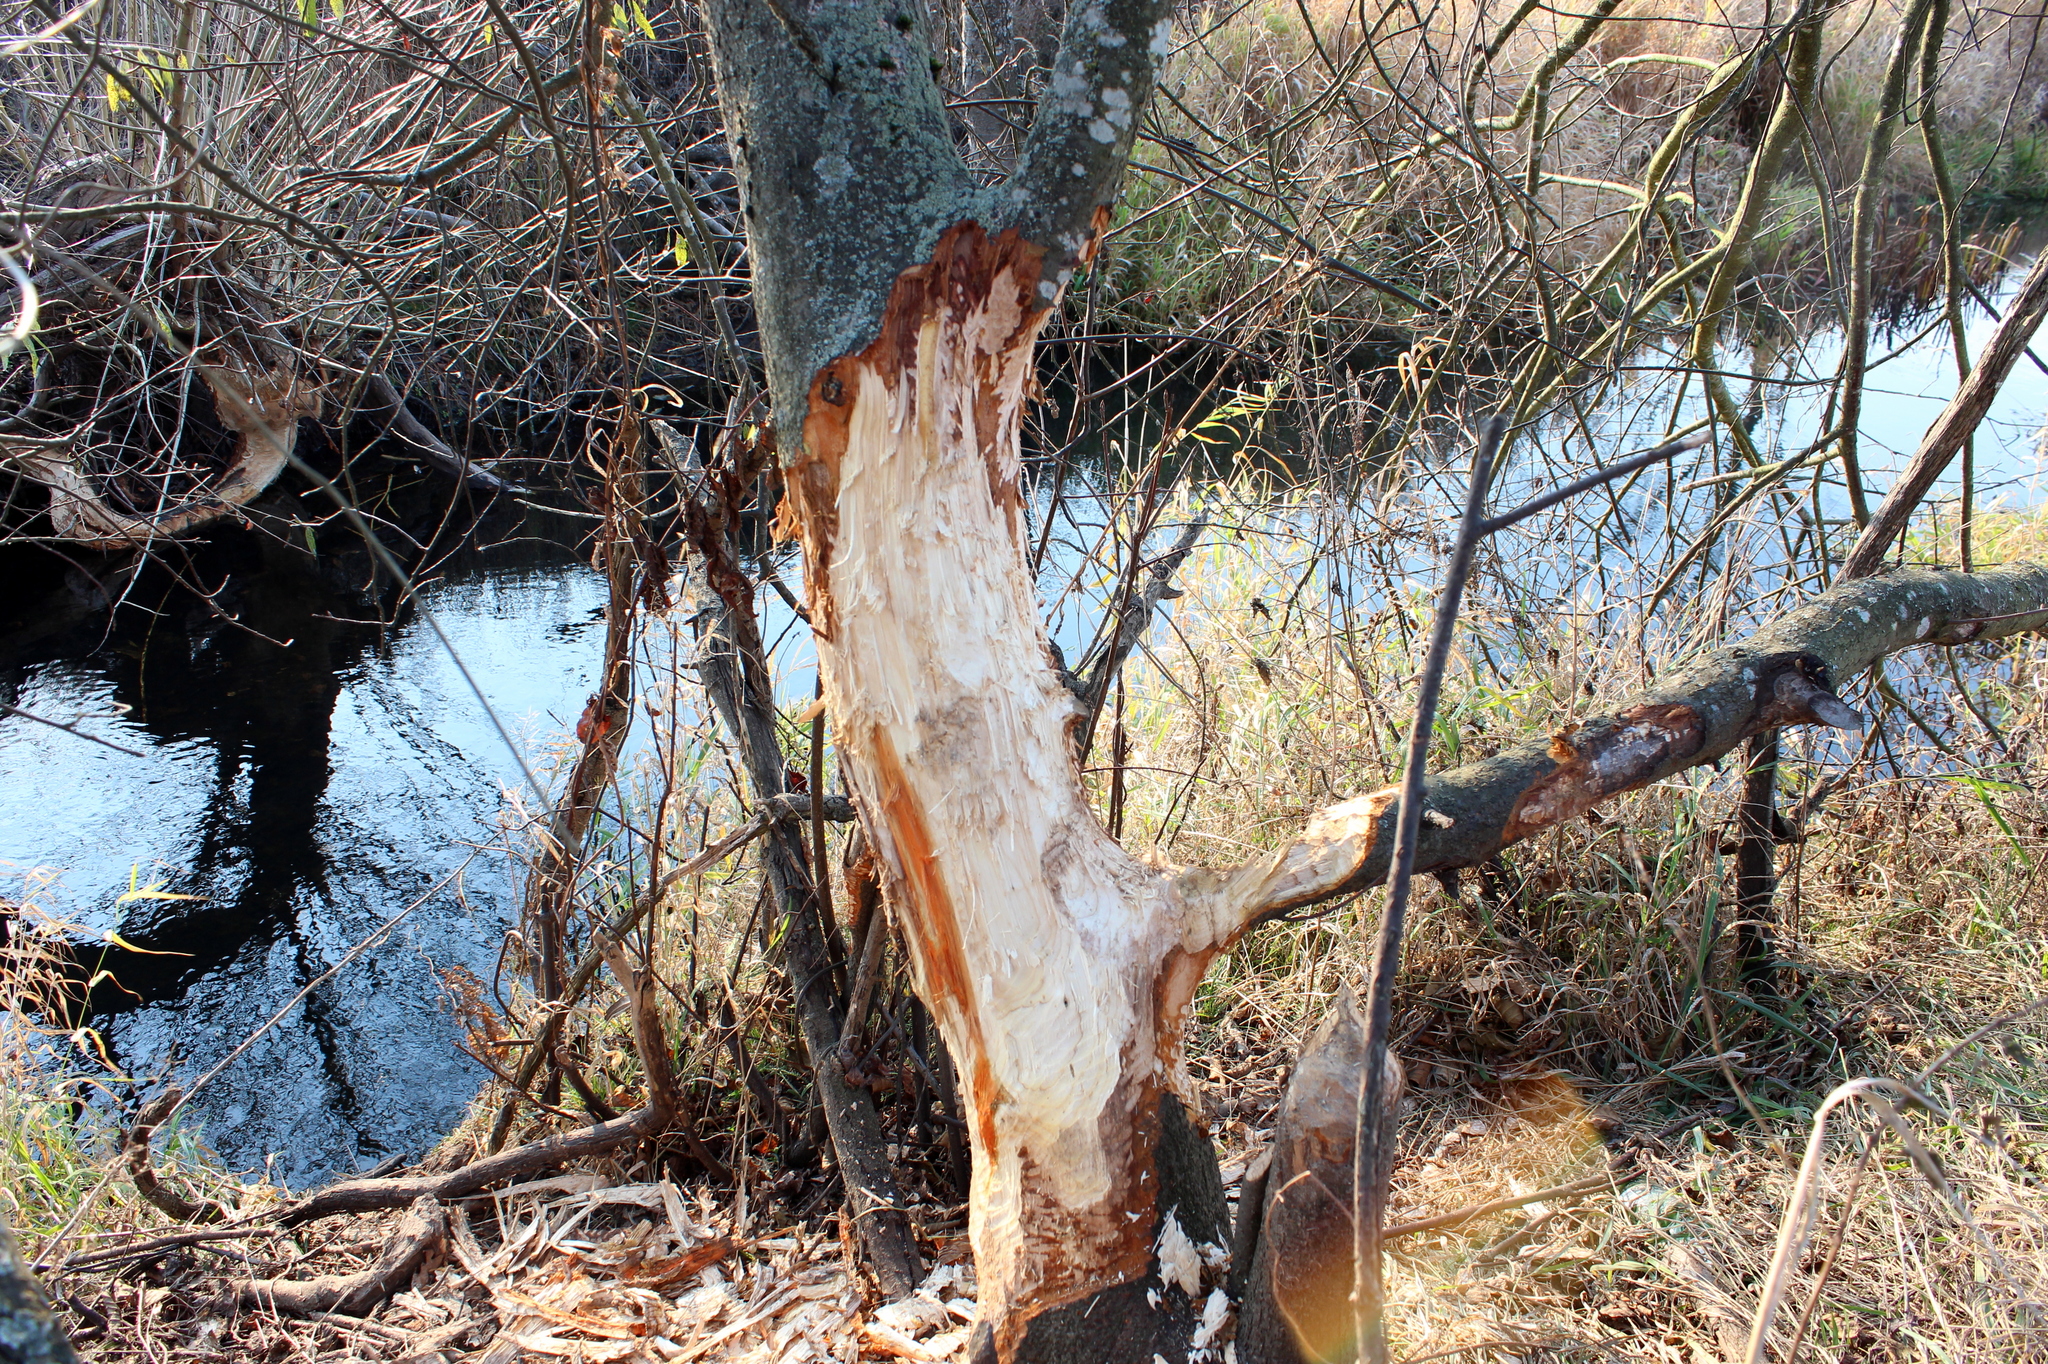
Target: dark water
point(306, 777)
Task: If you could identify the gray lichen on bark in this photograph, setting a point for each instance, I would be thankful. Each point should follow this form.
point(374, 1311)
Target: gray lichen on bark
point(849, 172)
point(1110, 56)
point(29, 1333)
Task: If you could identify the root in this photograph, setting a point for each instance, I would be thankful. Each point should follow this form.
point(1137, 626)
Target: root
point(421, 1232)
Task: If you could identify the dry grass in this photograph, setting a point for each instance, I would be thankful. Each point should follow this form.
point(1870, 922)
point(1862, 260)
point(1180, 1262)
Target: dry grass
point(1575, 1008)
point(1348, 122)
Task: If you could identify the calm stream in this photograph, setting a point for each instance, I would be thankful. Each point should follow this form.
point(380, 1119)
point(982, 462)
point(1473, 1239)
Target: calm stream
point(308, 780)
point(304, 794)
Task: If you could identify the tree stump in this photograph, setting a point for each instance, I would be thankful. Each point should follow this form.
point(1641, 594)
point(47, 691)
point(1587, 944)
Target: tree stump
point(1297, 1295)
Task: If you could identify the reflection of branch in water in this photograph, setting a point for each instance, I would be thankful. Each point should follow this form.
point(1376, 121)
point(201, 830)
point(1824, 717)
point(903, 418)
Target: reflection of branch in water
point(72, 729)
point(268, 711)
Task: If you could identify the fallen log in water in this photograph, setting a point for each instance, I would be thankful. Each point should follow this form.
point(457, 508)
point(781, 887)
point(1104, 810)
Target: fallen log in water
point(162, 391)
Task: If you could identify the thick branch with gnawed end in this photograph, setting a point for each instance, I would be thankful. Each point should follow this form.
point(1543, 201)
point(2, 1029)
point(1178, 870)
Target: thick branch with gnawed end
point(1786, 674)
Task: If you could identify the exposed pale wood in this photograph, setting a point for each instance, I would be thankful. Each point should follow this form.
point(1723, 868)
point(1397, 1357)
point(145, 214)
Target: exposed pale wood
point(1057, 965)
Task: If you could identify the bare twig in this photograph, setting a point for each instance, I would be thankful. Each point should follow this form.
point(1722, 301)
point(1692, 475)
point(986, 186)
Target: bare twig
point(135, 1150)
point(373, 1195)
point(423, 1228)
point(1369, 1168)
point(1448, 1220)
point(68, 729)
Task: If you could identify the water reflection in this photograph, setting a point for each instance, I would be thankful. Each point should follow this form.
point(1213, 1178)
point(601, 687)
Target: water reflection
point(307, 773)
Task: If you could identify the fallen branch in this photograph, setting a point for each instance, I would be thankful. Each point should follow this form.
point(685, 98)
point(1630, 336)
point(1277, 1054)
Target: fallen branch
point(381, 402)
point(75, 731)
point(135, 1149)
point(372, 1195)
point(154, 1247)
point(421, 1231)
point(1783, 674)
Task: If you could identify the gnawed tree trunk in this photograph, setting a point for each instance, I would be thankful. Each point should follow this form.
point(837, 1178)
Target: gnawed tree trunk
point(899, 302)
point(1061, 969)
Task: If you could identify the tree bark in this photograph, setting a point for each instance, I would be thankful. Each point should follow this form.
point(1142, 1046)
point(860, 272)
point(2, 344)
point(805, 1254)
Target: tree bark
point(899, 304)
point(29, 1332)
point(1757, 827)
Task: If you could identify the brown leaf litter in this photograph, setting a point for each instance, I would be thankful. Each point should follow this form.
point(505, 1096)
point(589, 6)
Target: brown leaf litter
point(573, 1268)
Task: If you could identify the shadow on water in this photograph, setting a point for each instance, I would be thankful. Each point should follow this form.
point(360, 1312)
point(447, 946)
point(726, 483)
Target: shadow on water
point(308, 770)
